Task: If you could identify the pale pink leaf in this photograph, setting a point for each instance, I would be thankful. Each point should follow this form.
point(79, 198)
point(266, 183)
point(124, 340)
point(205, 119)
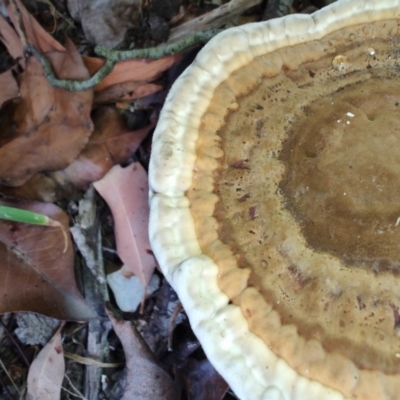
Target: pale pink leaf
point(126, 192)
point(46, 373)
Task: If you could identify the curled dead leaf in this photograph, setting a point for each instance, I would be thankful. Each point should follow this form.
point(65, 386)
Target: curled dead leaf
point(46, 127)
point(112, 142)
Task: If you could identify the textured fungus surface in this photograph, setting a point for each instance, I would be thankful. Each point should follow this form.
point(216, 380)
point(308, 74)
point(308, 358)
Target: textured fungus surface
point(274, 212)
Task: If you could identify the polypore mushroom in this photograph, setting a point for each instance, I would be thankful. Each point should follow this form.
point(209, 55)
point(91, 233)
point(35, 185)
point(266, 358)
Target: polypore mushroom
point(274, 203)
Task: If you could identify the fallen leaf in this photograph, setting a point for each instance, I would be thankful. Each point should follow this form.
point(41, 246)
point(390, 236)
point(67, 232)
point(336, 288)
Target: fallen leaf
point(105, 24)
point(11, 40)
point(146, 380)
point(46, 127)
point(127, 91)
point(202, 381)
point(37, 275)
point(126, 192)
point(112, 142)
point(46, 372)
point(9, 87)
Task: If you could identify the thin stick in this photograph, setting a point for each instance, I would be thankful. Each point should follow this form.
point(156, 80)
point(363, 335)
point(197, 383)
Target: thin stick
point(77, 392)
point(91, 361)
point(213, 19)
point(71, 85)
point(114, 55)
point(159, 51)
point(19, 349)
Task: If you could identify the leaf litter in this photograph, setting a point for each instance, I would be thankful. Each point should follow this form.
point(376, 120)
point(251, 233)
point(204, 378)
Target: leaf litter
point(112, 142)
point(57, 143)
point(48, 126)
point(38, 275)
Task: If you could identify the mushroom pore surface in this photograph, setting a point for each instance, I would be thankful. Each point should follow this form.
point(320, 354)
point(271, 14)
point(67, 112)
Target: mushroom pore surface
point(341, 158)
point(303, 224)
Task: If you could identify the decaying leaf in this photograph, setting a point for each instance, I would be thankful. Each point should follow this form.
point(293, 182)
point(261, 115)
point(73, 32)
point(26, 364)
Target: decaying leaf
point(146, 380)
point(11, 40)
point(112, 142)
point(46, 373)
point(46, 128)
point(37, 275)
point(124, 71)
point(105, 23)
point(126, 192)
point(127, 91)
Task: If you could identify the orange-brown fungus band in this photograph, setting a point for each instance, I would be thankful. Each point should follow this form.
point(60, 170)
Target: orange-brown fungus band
point(310, 154)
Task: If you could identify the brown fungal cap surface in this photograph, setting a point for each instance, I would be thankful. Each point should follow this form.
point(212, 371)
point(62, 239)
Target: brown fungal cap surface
point(274, 209)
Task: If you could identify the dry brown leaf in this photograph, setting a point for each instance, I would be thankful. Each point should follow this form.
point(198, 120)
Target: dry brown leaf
point(146, 380)
point(111, 143)
point(46, 128)
point(46, 373)
point(37, 275)
point(126, 192)
point(103, 23)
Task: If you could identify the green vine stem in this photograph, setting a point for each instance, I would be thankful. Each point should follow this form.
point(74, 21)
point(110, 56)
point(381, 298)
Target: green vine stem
point(113, 56)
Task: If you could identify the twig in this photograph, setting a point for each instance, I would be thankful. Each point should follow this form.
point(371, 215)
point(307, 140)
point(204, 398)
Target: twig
point(91, 361)
point(18, 347)
point(77, 392)
point(9, 376)
point(54, 12)
point(213, 19)
point(71, 85)
point(159, 51)
point(114, 55)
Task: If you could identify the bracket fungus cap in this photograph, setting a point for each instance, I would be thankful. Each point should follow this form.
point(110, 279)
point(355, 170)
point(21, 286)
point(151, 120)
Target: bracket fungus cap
point(274, 203)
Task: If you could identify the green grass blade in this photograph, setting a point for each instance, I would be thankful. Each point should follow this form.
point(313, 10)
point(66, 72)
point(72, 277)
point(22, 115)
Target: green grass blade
point(29, 217)
point(19, 215)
